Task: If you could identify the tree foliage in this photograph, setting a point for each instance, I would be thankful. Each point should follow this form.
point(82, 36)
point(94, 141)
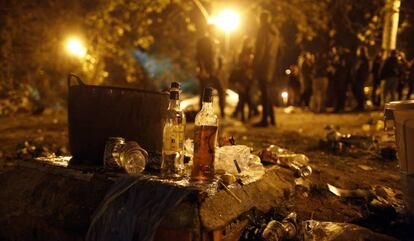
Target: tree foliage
point(32, 34)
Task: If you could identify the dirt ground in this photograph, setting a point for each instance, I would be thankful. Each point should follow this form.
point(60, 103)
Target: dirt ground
point(299, 131)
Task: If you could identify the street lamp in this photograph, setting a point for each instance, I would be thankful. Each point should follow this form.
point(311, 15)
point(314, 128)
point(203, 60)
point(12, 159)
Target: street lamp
point(227, 19)
point(75, 47)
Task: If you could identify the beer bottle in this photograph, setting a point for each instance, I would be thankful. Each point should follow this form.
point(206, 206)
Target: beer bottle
point(205, 136)
point(173, 136)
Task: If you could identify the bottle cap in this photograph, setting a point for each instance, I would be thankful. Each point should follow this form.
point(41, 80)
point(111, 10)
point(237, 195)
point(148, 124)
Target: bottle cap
point(174, 95)
point(175, 85)
point(208, 94)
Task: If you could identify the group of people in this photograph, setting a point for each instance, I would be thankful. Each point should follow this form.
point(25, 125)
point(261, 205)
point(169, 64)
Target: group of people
point(317, 81)
point(327, 78)
point(255, 65)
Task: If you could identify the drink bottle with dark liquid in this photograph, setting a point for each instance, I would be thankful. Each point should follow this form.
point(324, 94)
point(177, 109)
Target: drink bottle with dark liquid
point(173, 136)
point(205, 136)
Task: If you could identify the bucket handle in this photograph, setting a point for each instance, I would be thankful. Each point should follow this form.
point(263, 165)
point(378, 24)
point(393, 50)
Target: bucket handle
point(72, 76)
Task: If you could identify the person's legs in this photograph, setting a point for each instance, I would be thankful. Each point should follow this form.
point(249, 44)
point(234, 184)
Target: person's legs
point(386, 90)
point(374, 98)
point(249, 105)
point(242, 101)
point(355, 93)
point(394, 82)
point(265, 102)
point(410, 90)
point(238, 106)
point(221, 94)
point(400, 89)
point(308, 96)
point(203, 84)
point(361, 96)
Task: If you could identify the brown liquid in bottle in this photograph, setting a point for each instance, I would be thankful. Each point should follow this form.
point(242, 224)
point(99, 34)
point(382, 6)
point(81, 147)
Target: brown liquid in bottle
point(204, 149)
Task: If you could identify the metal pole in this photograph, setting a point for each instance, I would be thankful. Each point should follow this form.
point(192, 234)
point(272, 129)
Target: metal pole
point(391, 17)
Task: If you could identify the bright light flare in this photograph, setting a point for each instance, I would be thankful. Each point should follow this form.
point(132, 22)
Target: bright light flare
point(228, 20)
point(288, 71)
point(285, 97)
point(75, 47)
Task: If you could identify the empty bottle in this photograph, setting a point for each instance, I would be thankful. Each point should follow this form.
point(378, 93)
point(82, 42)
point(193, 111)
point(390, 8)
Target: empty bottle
point(173, 136)
point(287, 229)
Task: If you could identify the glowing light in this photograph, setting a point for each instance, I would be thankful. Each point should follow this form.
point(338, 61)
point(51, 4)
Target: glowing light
point(228, 20)
point(288, 71)
point(75, 47)
point(285, 97)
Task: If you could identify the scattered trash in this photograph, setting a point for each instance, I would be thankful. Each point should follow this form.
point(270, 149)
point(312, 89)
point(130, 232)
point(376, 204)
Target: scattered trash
point(340, 143)
point(303, 183)
point(282, 157)
point(290, 110)
point(329, 231)
point(365, 168)
point(228, 179)
point(62, 161)
point(254, 172)
point(37, 148)
point(297, 163)
point(127, 155)
point(133, 158)
point(112, 152)
point(270, 155)
point(226, 155)
point(379, 198)
point(355, 193)
point(287, 229)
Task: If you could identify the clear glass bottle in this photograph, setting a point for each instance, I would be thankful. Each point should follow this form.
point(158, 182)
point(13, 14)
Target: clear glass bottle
point(205, 137)
point(173, 136)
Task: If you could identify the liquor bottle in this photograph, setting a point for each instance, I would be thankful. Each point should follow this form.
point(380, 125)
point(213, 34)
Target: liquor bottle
point(205, 136)
point(173, 136)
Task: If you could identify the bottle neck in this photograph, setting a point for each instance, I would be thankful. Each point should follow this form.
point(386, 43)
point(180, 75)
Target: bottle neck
point(174, 104)
point(207, 106)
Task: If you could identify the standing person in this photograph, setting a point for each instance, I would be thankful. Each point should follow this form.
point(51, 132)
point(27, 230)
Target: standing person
point(360, 77)
point(241, 77)
point(307, 75)
point(376, 77)
point(403, 63)
point(208, 69)
point(332, 60)
point(410, 80)
point(320, 84)
point(342, 78)
point(263, 64)
point(390, 73)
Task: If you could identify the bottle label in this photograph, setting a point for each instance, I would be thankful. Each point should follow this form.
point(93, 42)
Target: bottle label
point(173, 138)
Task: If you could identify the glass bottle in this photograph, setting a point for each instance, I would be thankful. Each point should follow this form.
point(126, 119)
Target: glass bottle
point(173, 136)
point(205, 136)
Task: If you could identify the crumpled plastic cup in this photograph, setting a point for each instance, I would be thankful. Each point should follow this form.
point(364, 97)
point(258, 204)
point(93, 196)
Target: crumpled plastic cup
point(226, 155)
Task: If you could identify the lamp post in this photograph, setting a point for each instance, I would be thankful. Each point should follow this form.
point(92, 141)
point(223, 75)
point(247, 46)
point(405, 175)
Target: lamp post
point(227, 20)
point(391, 17)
